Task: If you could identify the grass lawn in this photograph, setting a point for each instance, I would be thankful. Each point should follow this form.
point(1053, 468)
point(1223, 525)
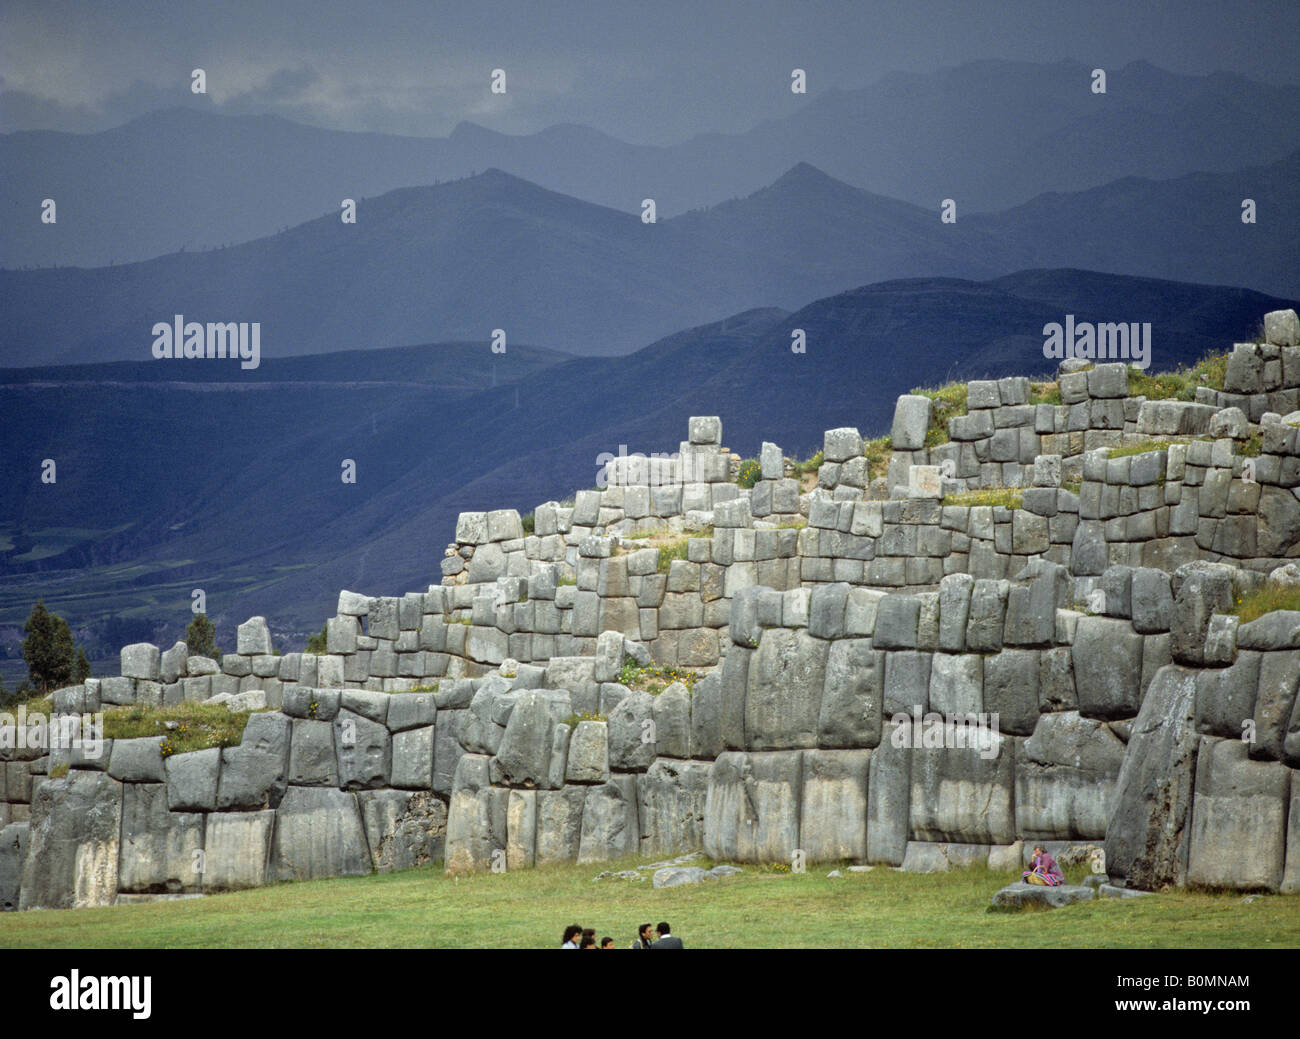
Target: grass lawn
point(761, 908)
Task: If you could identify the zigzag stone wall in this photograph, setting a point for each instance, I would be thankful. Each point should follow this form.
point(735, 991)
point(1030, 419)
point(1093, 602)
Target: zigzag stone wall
point(857, 642)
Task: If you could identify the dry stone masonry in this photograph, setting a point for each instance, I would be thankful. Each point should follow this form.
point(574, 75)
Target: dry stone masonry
point(868, 673)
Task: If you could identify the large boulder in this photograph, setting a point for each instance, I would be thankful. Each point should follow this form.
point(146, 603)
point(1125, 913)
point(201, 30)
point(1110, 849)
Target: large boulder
point(1107, 658)
point(1239, 818)
point(852, 696)
point(963, 785)
point(404, 829)
point(161, 851)
point(671, 798)
point(833, 808)
point(1147, 837)
point(559, 825)
point(1065, 778)
point(889, 795)
point(73, 843)
point(365, 751)
point(236, 846)
point(318, 833)
point(524, 757)
point(254, 774)
point(751, 813)
point(1017, 896)
point(476, 818)
point(609, 821)
point(783, 700)
point(13, 850)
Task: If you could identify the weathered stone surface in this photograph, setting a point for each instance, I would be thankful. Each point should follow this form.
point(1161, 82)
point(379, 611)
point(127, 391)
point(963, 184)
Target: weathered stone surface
point(1239, 815)
point(312, 760)
point(447, 750)
point(675, 876)
point(255, 773)
point(403, 829)
point(481, 731)
point(73, 843)
point(956, 685)
point(236, 847)
point(588, 758)
point(137, 761)
point(609, 821)
point(852, 695)
point(1147, 836)
point(1279, 673)
point(411, 711)
point(413, 759)
point(1225, 698)
point(524, 756)
point(1107, 657)
point(889, 796)
point(672, 718)
point(1011, 689)
point(1291, 876)
point(911, 422)
point(1200, 590)
point(1017, 896)
point(365, 750)
point(833, 809)
point(671, 798)
point(367, 703)
point(963, 783)
point(783, 699)
point(13, 850)
point(941, 856)
point(253, 637)
point(521, 829)
point(559, 824)
point(141, 660)
point(706, 717)
point(192, 780)
point(630, 732)
point(158, 849)
point(476, 818)
point(751, 813)
point(1065, 778)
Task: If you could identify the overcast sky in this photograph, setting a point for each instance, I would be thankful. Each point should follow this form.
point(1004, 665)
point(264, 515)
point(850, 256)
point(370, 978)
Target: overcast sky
point(651, 72)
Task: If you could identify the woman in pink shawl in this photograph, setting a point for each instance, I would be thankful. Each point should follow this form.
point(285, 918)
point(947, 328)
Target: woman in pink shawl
point(1043, 870)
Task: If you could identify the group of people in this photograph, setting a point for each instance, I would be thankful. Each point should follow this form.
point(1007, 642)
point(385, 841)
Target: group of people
point(661, 937)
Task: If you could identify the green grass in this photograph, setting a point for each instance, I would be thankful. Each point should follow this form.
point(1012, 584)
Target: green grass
point(198, 726)
point(1180, 383)
point(1044, 393)
point(1267, 598)
point(949, 402)
point(654, 679)
point(763, 908)
point(676, 549)
point(1141, 448)
point(590, 716)
point(878, 452)
point(1006, 497)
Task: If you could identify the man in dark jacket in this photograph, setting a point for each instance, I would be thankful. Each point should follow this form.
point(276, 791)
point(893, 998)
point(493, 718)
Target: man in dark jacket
point(666, 939)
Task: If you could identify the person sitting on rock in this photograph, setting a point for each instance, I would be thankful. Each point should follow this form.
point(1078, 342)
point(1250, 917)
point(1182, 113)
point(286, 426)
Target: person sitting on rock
point(1043, 870)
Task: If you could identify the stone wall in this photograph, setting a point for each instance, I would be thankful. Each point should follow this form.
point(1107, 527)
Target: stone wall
point(842, 637)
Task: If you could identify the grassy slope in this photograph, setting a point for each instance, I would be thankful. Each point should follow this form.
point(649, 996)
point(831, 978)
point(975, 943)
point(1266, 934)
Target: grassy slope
point(760, 908)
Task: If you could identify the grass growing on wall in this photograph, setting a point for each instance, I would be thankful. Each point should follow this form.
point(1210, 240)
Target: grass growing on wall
point(1267, 598)
point(763, 907)
point(187, 726)
point(949, 401)
point(654, 679)
point(1003, 497)
point(1181, 382)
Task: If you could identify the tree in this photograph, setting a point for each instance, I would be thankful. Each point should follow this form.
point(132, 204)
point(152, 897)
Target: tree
point(81, 669)
point(48, 649)
point(200, 636)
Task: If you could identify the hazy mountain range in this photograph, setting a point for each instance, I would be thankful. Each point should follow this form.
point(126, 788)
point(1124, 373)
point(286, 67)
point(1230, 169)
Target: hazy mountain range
point(457, 260)
point(989, 134)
